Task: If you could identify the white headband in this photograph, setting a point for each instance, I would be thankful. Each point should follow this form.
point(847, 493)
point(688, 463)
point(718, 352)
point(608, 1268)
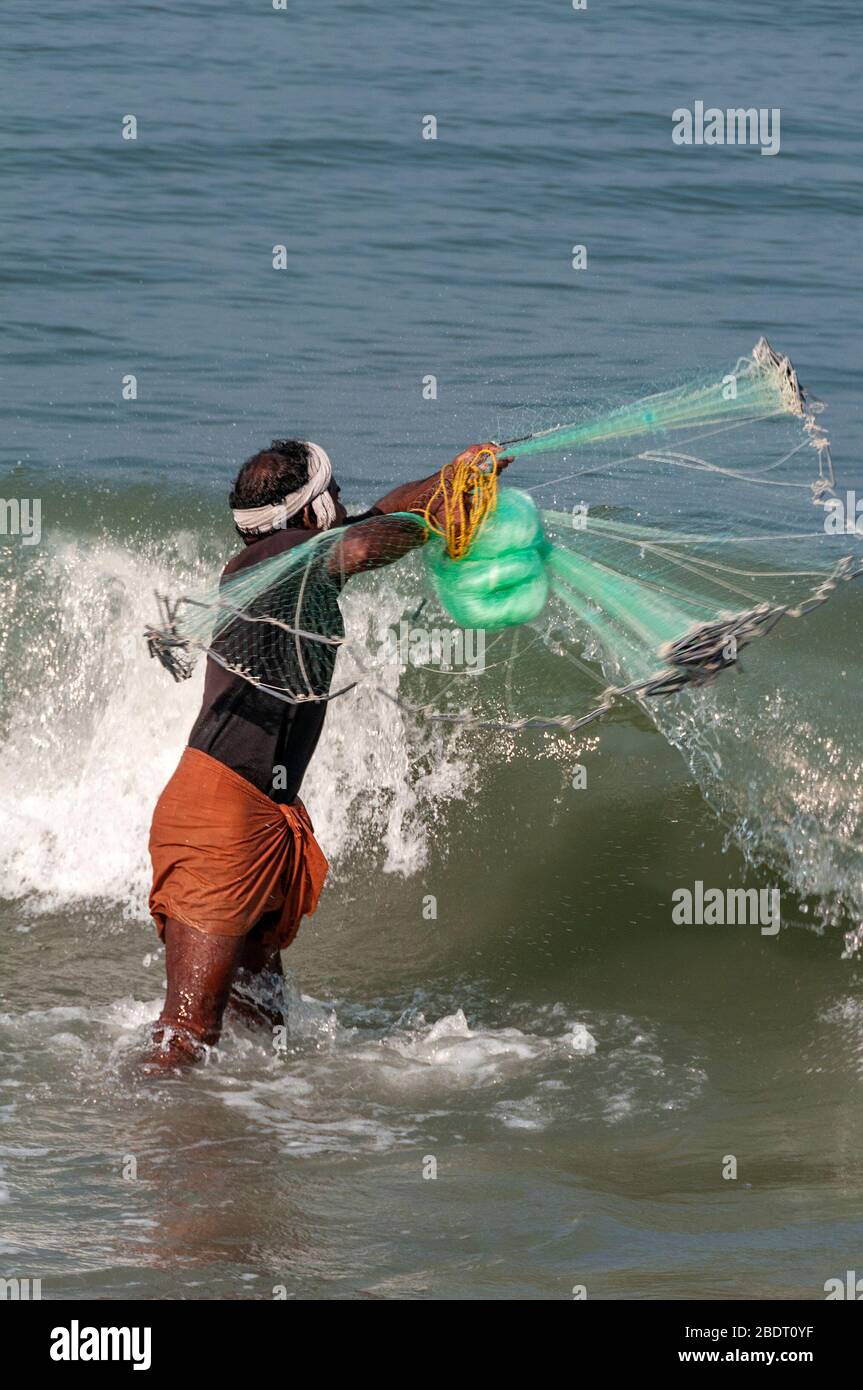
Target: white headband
point(274, 517)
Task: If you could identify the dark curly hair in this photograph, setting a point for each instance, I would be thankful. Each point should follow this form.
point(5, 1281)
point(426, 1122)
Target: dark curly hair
point(268, 477)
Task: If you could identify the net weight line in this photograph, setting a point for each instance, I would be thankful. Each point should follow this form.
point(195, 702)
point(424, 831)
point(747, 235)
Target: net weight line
point(693, 661)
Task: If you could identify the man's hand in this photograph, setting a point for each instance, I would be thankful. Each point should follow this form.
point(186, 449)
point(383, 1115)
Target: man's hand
point(415, 497)
point(473, 450)
point(367, 546)
point(481, 454)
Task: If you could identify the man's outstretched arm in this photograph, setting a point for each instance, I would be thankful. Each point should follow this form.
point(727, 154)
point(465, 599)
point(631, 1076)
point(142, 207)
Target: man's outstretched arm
point(371, 546)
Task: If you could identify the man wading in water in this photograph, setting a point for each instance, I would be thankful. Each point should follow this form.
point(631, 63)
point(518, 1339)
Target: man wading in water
point(235, 862)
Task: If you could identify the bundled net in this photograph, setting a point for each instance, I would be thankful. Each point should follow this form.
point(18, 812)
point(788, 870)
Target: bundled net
point(648, 569)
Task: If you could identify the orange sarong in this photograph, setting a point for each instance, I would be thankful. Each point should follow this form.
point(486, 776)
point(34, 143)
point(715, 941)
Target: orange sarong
point(224, 854)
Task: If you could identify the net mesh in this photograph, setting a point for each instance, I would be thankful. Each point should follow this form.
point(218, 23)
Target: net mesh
point(278, 624)
point(647, 571)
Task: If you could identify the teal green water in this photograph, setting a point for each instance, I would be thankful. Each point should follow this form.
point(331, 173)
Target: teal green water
point(578, 1066)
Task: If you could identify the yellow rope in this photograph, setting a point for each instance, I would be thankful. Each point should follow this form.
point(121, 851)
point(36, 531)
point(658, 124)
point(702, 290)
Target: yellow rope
point(465, 495)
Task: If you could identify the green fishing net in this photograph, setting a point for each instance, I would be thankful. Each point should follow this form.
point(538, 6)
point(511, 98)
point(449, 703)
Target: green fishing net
point(503, 580)
point(666, 536)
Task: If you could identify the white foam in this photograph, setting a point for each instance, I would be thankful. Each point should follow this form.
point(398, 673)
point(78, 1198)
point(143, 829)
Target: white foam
point(374, 1079)
point(342, 1089)
point(378, 781)
point(96, 728)
point(453, 1051)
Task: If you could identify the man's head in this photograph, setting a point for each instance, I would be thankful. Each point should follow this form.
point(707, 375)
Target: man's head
point(288, 485)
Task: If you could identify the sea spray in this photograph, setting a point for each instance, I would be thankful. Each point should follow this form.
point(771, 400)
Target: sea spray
point(90, 733)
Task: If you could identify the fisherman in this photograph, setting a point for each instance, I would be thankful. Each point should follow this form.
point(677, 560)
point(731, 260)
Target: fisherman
point(236, 865)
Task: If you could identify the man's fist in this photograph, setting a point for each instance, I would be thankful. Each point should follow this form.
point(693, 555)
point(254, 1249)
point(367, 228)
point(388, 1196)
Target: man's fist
point(483, 454)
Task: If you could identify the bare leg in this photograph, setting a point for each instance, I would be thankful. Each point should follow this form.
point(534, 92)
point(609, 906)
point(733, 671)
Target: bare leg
point(257, 996)
point(200, 969)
